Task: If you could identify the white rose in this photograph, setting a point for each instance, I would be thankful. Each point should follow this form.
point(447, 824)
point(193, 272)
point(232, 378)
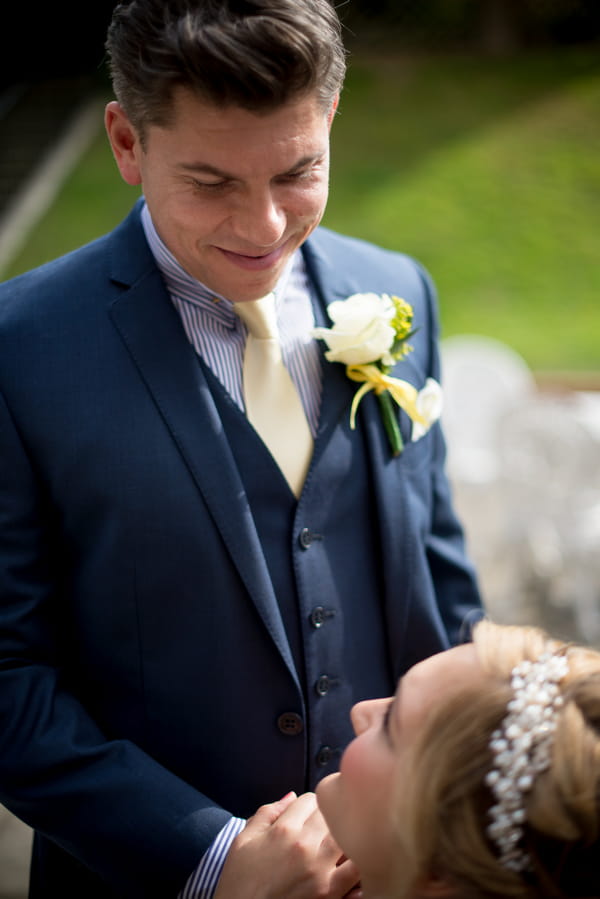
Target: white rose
point(361, 331)
point(429, 405)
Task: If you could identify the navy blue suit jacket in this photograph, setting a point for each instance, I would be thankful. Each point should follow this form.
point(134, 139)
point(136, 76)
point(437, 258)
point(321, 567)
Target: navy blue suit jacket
point(143, 660)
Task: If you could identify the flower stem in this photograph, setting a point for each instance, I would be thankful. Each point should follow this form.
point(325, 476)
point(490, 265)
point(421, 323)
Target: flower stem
point(390, 422)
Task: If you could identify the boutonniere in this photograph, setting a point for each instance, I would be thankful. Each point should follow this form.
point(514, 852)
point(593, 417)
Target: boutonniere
point(369, 335)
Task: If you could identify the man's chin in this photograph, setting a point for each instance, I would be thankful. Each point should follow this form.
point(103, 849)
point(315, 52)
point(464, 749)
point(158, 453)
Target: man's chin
point(240, 283)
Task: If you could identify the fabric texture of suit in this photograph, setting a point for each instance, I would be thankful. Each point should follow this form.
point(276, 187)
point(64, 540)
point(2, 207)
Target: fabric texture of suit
point(148, 671)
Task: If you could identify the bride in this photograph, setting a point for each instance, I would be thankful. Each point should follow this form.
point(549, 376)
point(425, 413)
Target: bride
point(480, 778)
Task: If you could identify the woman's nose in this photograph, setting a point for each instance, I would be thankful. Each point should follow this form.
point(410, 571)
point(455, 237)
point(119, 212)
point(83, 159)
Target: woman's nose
point(364, 713)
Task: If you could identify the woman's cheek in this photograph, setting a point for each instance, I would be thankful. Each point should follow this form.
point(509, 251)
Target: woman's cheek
point(357, 762)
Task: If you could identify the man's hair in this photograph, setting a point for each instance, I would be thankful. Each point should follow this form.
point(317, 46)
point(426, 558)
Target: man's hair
point(254, 54)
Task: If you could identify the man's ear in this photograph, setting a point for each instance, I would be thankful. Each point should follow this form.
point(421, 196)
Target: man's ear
point(125, 142)
point(332, 110)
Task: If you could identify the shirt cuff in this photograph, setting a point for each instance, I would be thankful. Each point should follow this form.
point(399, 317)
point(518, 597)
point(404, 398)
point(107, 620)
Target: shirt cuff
point(203, 882)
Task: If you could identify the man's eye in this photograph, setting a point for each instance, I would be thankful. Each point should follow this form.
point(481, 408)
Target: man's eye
point(209, 186)
point(302, 175)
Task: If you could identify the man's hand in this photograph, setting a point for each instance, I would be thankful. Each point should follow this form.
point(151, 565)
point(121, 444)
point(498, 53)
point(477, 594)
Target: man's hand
point(286, 852)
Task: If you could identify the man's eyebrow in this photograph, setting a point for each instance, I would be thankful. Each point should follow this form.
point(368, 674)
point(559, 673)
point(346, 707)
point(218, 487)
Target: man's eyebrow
point(205, 168)
point(306, 161)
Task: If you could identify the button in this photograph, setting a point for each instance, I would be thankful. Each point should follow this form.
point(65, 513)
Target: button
point(305, 538)
point(290, 724)
point(322, 685)
point(319, 615)
point(324, 756)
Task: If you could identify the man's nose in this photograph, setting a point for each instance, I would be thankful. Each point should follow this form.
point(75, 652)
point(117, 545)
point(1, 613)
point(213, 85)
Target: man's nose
point(260, 220)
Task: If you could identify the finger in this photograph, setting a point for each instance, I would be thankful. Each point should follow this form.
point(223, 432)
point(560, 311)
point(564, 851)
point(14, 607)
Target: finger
point(267, 814)
point(345, 880)
point(305, 818)
point(317, 826)
point(300, 811)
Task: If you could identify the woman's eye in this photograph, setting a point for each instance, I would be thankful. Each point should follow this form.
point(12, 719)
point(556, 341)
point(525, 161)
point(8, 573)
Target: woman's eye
point(385, 721)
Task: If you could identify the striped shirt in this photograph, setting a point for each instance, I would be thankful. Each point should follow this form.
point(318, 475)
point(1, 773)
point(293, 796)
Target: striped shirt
point(219, 337)
point(203, 882)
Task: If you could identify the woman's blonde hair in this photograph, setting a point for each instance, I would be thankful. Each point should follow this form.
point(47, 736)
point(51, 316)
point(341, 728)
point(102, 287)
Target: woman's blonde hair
point(448, 801)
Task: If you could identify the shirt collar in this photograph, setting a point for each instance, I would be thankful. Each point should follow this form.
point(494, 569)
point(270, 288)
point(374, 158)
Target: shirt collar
point(187, 288)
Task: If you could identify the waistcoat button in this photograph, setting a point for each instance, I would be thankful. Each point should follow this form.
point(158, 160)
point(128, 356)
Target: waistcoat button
point(322, 685)
point(317, 616)
point(305, 538)
point(324, 756)
point(290, 724)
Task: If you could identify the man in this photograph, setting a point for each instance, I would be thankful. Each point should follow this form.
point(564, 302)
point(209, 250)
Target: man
point(184, 624)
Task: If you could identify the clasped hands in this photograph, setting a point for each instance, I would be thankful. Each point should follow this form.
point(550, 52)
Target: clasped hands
point(286, 852)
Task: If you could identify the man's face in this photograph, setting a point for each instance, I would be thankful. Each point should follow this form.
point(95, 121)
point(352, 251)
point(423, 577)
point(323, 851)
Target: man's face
point(232, 193)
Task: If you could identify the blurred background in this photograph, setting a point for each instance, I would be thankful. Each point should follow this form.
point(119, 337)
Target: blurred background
point(469, 137)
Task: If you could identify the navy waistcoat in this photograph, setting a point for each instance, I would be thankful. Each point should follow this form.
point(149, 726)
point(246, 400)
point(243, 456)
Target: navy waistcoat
point(335, 630)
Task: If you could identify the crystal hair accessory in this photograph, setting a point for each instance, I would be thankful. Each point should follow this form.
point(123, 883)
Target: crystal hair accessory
point(522, 748)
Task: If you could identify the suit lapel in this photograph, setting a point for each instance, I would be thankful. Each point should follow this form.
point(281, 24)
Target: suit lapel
point(153, 335)
point(388, 474)
point(331, 284)
point(337, 389)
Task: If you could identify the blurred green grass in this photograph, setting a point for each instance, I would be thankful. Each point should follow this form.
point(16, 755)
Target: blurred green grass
point(487, 170)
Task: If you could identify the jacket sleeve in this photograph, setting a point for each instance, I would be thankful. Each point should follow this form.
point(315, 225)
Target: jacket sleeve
point(105, 801)
point(452, 572)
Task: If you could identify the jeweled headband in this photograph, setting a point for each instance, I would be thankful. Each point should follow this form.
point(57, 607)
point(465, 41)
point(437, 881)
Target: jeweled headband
point(522, 748)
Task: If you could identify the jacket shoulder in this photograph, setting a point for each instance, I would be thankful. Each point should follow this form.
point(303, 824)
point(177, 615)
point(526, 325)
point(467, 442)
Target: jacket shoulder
point(82, 275)
point(371, 268)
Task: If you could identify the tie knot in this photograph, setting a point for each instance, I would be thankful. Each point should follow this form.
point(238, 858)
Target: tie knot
point(260, 317)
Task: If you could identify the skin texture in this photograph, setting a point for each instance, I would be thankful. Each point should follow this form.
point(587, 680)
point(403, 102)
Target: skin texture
point(290, 840)
point(232, 193)
point(363, 802)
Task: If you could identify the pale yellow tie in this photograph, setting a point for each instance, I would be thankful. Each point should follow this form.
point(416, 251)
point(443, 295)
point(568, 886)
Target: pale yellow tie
point(273, 405)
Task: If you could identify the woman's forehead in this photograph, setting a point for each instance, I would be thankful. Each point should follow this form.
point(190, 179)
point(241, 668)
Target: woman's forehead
point(438, 678)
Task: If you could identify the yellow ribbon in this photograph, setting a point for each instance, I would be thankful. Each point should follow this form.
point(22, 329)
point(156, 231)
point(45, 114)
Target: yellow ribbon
point(372, 378)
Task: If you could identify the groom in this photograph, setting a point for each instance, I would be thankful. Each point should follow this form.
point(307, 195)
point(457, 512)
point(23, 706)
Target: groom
point(184, 626)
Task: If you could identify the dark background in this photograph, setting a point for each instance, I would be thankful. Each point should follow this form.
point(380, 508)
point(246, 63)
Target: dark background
point(53, 53)
point(486, 26)
point(57, 39)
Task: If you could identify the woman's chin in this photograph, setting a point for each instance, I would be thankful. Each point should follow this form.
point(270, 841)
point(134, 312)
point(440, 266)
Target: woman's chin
point(327, 793)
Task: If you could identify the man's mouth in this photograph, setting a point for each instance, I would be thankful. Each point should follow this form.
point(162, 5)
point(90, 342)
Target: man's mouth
point(254, 263)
